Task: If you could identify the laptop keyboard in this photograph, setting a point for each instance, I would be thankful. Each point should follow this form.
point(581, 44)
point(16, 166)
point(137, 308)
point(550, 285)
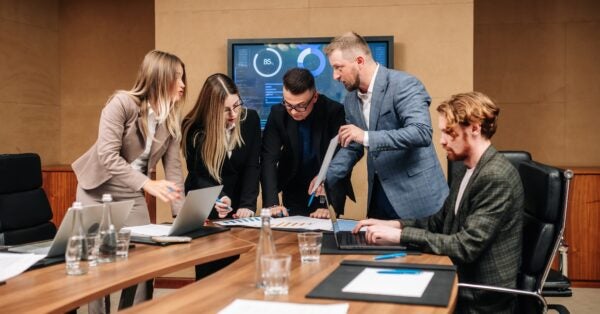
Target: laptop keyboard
point(347, 238)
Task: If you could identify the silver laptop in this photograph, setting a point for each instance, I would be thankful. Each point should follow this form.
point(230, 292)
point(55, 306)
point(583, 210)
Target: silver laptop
point(92, 215)
point(195, 210)
point(346, 240)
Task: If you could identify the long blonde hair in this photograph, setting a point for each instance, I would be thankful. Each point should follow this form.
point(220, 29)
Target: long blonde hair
point(209, 111)
point(154, 83)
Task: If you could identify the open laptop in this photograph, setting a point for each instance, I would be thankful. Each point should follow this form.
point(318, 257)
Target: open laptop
point(191, 217)
point(346, 240)
point(91, 217)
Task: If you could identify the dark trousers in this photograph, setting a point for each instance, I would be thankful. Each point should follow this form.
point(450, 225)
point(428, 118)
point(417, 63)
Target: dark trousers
point(380, 206)
point(207, 269)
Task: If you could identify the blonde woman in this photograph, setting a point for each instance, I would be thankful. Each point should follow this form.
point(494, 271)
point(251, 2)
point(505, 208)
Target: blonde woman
point(222, 146)
point(138, 128)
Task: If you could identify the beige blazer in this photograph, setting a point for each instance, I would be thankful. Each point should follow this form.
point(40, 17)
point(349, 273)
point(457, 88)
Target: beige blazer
point(120, 142)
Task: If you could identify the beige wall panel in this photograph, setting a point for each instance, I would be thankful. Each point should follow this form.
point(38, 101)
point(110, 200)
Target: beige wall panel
point(102, 44)
point(29, 98)
point(536, 11)
point(519, 63)
point(582, 62)
point(38, 13)
point(434, 41)
point(533, 127)
point(29, 128)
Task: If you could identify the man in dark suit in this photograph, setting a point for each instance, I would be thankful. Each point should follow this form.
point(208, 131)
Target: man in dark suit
point(387, 113)
point(295, 141)
point(480, 225)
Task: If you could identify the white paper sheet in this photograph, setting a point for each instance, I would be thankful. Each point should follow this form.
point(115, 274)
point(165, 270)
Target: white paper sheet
point(266, 307)
point(403, 285)
point(13, 264)
point(292, 222)
point(326, 161)
point(150, 230)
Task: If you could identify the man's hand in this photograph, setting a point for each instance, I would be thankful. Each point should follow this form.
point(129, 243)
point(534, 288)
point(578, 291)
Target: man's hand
point(322, 213)
point(320, 190)
point(351, 133)
point(376, 222)
point(279, 211)
point(380, 234)
point(243, 213)
point(165, 190)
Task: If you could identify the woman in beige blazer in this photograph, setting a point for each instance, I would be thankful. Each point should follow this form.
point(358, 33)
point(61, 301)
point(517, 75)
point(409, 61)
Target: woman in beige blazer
point(138, 128)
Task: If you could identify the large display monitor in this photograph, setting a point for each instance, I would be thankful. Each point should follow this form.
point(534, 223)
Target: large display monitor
point(257, 66)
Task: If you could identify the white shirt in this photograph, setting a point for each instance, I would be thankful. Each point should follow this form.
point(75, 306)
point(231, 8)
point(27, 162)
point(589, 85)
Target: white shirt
point(141, 163)
point(461, 189)
point(365, 100)
point(228, 131)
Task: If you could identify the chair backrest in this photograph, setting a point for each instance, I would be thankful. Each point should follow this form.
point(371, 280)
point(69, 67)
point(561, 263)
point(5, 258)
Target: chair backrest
point(25, 213)
point(546, 193)
point(514, 156)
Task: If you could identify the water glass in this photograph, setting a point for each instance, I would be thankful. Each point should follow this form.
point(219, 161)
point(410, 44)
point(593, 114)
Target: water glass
point(123, 238)
point(309, 244)
point(75, 255)
point(276, 273)
point(92, 249)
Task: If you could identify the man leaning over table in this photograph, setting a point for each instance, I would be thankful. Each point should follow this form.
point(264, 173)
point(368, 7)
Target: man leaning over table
point(480, 224)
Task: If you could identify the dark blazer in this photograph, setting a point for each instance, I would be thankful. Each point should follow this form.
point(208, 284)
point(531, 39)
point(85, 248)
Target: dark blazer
point(280, 164)
point(240, 172)
point(400, 149)
point(484, 238)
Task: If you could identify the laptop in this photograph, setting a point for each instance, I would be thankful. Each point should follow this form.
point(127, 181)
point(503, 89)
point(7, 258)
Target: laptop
point(91, 217)
point(191, 217)
point(346, 240)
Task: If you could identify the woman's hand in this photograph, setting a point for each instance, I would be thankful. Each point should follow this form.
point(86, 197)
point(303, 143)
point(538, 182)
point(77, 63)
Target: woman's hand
point(223, 206)
point(243, 213)
point(165, 190)
point(322, 213)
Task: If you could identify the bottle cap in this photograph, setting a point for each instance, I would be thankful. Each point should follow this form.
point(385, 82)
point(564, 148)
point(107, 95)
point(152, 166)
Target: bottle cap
point(265, 212)
point(106, 198)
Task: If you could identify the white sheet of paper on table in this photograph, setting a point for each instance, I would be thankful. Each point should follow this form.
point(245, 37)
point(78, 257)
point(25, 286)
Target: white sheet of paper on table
point(291, 222)
point(402, 285)
point(150, 230)
point(13, 264)
point(266, 307)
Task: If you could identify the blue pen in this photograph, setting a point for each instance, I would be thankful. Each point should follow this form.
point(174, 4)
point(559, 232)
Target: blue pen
point(229, 208)
point(400, 272)
point(312, 196)
point(388, 256)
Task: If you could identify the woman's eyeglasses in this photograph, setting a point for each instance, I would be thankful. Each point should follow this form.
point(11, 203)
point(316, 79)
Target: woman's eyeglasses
point(235, 109)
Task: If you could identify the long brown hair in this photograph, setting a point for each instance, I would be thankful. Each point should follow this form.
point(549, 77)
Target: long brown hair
point(209, 111)
point(155, 79)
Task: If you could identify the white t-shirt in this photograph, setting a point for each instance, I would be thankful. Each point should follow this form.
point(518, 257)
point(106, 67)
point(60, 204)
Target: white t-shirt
point(463, 186)
point(141, 163)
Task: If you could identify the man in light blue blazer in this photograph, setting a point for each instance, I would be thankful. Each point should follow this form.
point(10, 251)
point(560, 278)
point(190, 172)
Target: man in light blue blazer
point(387, 113)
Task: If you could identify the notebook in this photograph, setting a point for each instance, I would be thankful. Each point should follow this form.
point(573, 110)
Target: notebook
point(91, 217)
point(191, 217)
point(346, 240)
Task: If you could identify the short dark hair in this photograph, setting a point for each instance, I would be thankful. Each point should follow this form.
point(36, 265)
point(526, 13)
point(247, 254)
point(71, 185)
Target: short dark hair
point(298, 80)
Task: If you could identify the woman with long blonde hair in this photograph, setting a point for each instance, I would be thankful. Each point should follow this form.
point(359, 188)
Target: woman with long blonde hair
point(222, 147)
point(138, 128)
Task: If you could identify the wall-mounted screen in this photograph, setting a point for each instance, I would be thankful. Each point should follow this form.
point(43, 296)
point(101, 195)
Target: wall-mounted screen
point(257, 66)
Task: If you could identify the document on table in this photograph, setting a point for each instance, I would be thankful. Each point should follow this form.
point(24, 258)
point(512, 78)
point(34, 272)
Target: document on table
point(150, 230)
point(326, 161)
point(292, 222)
point(266, 307)
point(13, 264)
point(369, 281)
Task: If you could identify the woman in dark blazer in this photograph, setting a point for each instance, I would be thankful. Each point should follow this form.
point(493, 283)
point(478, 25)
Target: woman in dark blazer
point(222, 147)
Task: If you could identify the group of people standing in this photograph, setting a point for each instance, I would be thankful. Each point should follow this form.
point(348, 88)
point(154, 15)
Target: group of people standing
point(385, 114)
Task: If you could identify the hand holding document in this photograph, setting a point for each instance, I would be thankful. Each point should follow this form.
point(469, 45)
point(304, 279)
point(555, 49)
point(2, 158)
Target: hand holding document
point(325, 165)
point(13, 264)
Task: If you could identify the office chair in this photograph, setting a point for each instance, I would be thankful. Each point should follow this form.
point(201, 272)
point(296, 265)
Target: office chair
point(25, 213)
point(546, 194)
point(514, 156)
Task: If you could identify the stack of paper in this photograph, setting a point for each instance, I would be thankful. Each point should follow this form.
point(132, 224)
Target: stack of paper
point(290, 223)
point(12, 264)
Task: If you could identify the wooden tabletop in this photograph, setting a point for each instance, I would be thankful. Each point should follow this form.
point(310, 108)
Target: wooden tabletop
point(215, 292)
point(49, 289)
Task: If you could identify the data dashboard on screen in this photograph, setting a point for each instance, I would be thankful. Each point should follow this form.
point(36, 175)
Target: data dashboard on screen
point(257, 66)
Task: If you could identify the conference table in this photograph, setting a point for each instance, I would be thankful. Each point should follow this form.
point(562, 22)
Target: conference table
point(50, 290)
point(236, 281)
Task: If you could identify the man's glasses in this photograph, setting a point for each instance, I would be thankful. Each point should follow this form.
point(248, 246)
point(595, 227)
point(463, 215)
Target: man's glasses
point(299, 107)
point(235, 109)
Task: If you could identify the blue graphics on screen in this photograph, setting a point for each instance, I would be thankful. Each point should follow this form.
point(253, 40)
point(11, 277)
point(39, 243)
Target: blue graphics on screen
point(258, 70)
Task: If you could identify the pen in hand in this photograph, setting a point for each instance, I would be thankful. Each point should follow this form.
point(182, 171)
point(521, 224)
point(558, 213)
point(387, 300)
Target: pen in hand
point(229, 208)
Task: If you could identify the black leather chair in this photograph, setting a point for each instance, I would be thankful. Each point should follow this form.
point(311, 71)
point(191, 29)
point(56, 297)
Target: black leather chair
point(25, 213)
point(514, 156)
point(546, 194)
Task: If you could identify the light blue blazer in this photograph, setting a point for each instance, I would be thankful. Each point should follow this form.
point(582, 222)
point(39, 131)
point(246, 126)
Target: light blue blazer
point(400, 149)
